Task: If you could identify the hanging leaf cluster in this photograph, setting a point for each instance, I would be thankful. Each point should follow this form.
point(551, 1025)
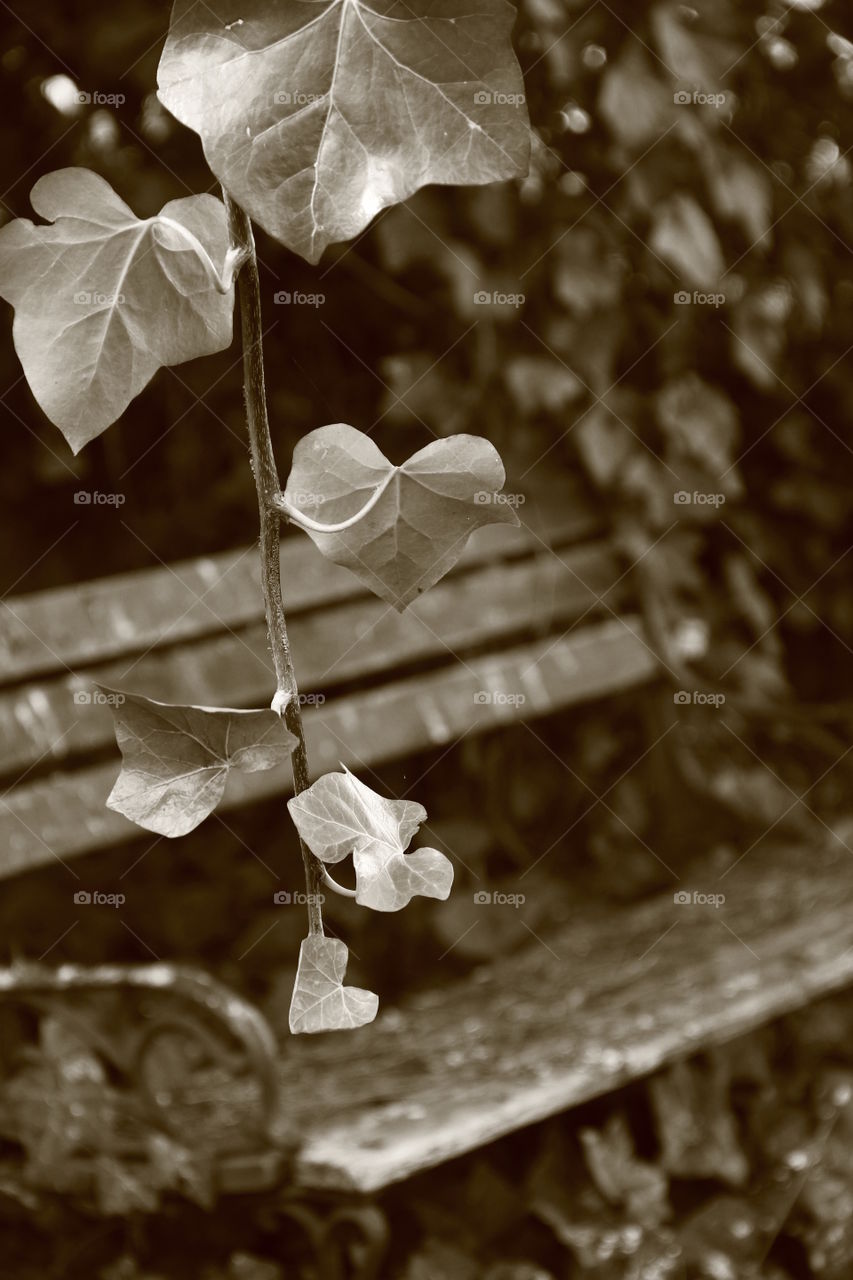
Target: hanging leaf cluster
point(313, 117)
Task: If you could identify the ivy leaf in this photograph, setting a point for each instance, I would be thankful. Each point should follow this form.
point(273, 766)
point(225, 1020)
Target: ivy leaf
point(621, 1177)
point(683, 236)
point(104, 299)
point(339, 815)
point(320, 1000)
point(634, 102)
point(316, 116)
point(541, 384)
point(418, 528)
point(176, 760)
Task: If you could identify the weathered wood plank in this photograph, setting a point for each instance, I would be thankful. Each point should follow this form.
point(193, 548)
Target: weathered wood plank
point(63, 815)
point(91, 622)
point(603, 1001)
point(46, 722)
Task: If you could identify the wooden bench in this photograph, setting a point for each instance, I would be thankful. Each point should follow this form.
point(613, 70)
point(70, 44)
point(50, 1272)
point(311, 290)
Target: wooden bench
point(544, 610)
point(194, 632)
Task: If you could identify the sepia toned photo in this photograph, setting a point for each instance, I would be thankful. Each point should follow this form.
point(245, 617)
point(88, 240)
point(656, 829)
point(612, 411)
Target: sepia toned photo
point(426, 623)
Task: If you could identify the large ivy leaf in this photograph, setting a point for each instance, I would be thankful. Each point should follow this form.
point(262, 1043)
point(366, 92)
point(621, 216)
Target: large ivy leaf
point(316, 116)
point(339, 815)
point(418, 528)
point(176, 760)
point(103, 299)
point(320, 1000)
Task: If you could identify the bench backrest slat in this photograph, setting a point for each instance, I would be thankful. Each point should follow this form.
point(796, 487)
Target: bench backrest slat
point(63, 815)
point(45, 722)
point(93, 622)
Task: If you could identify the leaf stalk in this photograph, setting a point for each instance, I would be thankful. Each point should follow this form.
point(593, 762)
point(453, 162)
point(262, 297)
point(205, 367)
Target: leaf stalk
point(295, 516)
point(234, 258)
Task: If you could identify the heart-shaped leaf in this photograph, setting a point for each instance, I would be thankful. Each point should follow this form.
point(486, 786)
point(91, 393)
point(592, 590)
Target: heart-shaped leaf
point(176, 760)
point(418, 528)
point(320, 1000)
point(316, 116)
point(104, 299)
point(339, 815)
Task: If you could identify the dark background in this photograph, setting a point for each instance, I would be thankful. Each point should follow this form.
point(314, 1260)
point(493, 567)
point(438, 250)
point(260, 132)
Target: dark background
point(601, 374)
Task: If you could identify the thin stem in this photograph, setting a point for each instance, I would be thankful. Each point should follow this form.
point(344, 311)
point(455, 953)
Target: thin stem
point(286, 700)
point(305, 522)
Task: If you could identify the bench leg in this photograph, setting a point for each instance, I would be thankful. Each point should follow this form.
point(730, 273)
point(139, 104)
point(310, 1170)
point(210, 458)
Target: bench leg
point(347, 1241)
point(181, 1006)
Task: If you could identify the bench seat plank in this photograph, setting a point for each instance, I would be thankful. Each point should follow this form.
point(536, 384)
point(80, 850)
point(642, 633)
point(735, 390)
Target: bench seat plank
point(63, 815)
point(69, 627)
point(44, 721)
point(608, 998)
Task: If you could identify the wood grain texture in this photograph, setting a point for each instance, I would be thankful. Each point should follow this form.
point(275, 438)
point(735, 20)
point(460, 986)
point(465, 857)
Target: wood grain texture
point(606, 999)
point(93, 622)
point(62, 815)
point(44, 720)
